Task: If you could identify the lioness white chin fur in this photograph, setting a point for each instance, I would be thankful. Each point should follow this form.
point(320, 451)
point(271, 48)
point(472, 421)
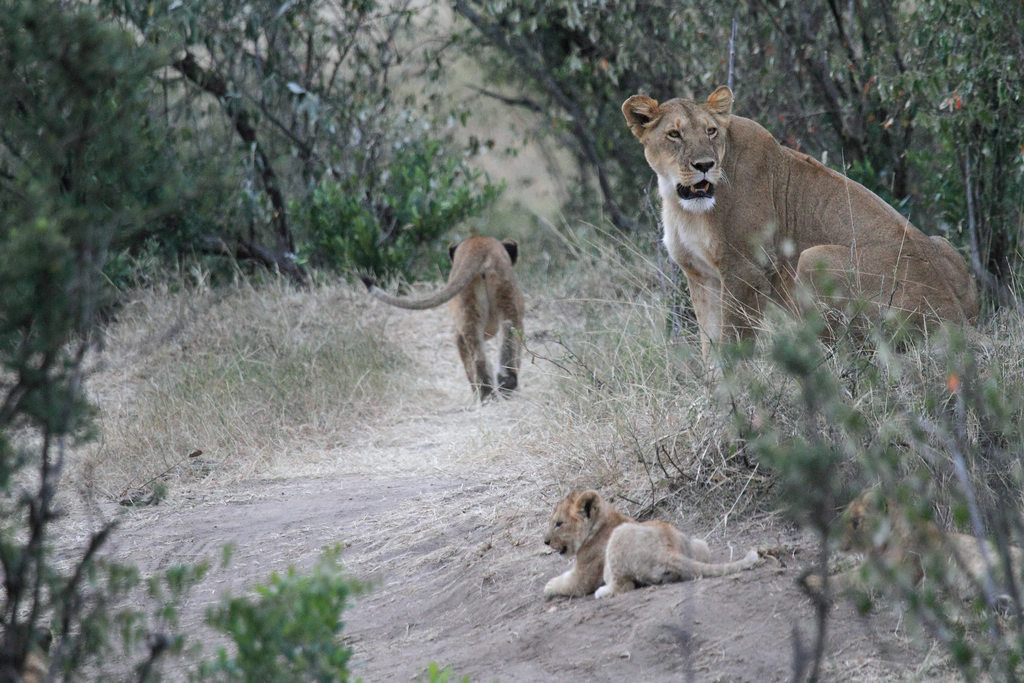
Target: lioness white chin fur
point(751, 222)
point(611, 547)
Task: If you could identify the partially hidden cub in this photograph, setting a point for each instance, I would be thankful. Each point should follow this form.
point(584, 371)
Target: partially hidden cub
point(873, 525)
point(617, 550)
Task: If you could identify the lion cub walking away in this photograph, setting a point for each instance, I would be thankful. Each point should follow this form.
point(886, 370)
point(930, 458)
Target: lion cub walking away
point(914, 552)
point(484, 299)
point(621, 552)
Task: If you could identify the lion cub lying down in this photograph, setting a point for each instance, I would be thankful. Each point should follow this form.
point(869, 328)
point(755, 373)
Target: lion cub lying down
point(872, 525)
point(621, 552)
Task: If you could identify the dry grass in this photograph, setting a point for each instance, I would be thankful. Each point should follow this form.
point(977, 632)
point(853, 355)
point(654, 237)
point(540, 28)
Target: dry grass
point(249, 375)
point(634, 412)
point(268, 381)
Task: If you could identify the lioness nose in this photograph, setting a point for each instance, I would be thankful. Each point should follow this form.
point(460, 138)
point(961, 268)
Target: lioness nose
point(703, 166)
point(547, 541)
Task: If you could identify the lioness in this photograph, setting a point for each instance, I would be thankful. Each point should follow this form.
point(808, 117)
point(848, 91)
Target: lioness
point(484, 299)
point(871, 524)
point(611, 547)
point(748, 220)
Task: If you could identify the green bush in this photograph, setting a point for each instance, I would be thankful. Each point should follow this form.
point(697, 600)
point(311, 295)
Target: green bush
point(435, 674)
point(290, 631)
point(421, 196)
point(81, 166)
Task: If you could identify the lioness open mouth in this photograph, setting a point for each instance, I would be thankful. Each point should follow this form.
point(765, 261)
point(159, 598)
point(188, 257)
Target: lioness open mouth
point(702, 190)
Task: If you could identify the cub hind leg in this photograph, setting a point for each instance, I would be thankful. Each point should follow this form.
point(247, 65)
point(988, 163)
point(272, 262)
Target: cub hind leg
point(474, 360)
point(654, 553)
point(508, 370)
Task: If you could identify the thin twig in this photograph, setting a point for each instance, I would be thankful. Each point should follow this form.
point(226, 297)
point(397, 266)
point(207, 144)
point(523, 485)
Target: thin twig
point(732, 52)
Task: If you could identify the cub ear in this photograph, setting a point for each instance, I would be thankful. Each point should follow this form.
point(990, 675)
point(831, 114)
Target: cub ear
point(451, 249)
point(588, 503)
point(720, 101)
point(512, 248)
point(641, 113)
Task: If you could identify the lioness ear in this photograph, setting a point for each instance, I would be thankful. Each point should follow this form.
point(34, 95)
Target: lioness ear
point(512, 248)
point(588, 503)
point(451, 249)
point(720, 101)
point(641, 113)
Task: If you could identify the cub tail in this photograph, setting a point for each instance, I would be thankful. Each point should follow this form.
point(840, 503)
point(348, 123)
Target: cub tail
point(689, 568)
point(455, 285)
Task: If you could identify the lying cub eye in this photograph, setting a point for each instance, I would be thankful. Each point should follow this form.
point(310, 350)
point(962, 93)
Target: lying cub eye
point(675, 135)
point(558, 524)
point(712, 132)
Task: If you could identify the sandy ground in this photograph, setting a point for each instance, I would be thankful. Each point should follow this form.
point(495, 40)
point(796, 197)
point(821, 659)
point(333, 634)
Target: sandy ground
point(446, 525)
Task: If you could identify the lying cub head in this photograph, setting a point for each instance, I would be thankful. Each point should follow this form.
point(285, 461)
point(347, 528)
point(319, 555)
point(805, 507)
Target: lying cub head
point(573, 520)
point(861, 521)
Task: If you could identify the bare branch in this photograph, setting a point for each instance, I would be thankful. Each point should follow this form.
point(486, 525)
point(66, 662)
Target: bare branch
point(526, 59)
point(524, 102)
point(215, 85)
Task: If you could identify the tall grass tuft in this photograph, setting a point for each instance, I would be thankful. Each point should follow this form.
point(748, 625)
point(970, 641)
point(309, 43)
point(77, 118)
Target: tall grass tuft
point(248, 375)
point(637, 408)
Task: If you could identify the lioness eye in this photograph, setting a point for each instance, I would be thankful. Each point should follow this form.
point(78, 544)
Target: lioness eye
point(674, 134)
point(558, 524)
point(712, 132)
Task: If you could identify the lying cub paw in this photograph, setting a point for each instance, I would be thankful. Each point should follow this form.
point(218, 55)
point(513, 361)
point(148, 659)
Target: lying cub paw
point(603, 591)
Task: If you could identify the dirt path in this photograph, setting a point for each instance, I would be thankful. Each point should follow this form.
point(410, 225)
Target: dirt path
point(437, 507)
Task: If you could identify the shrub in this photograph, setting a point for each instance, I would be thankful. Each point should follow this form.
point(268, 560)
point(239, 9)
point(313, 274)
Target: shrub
point(396, 229)
point(290, 631)
point(81, 165)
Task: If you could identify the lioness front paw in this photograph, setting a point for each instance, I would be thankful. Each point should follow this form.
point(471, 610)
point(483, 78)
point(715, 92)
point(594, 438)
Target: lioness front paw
point(603, 591)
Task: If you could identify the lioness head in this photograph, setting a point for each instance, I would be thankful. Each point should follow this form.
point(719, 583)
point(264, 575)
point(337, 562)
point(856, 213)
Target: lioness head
point(572, 521)
point(684, 142)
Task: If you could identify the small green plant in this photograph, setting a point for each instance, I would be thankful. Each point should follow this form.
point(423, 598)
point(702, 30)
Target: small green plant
point(435, 674)
point(290, 631)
